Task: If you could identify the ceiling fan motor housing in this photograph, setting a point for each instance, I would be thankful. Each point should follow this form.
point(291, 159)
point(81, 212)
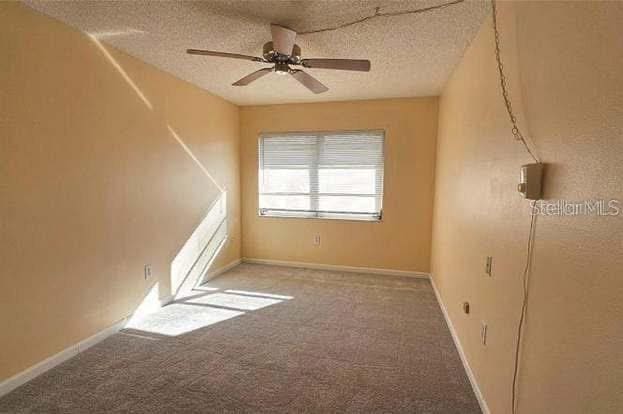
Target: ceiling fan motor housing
point(275, 57)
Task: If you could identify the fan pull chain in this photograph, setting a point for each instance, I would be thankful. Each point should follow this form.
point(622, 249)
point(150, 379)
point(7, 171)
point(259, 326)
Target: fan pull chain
point(503, 85)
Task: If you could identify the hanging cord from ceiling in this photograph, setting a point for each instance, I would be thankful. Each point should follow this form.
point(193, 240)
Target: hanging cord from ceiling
point(524, 306)
point(379, 13)
point(507, 102)
point(531, 236)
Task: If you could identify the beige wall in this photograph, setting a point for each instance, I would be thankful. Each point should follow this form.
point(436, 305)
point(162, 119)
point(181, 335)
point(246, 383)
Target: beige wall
point(402, 240)
point(564, 61)
point(94, 184)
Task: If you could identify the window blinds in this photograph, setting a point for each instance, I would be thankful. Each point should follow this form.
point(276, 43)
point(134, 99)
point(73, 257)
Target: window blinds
point(321, 174)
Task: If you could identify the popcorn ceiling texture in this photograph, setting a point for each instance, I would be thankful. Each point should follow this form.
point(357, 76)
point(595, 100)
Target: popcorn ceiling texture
point(411, 55)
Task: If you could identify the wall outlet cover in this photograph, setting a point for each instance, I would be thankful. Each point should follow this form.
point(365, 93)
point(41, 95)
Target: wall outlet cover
point(147, 271)
point(489, 265)
point(483, 333)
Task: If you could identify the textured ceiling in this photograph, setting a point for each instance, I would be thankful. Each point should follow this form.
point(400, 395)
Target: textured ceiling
point(411, 55)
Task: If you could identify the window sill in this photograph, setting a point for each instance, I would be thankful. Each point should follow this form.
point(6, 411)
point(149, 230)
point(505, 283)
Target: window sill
point(351, 218)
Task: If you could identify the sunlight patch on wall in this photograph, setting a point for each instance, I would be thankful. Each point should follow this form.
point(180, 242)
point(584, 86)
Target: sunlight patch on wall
point(150, 303)
point(202, 247)
point(193, 157)
point(116, 33)
point(121, 71)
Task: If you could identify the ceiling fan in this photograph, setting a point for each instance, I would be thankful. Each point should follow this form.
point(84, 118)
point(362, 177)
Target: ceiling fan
point(283, 53)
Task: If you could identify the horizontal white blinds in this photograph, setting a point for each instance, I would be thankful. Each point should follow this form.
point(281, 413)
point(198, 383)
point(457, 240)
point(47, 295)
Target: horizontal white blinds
point(322, 174)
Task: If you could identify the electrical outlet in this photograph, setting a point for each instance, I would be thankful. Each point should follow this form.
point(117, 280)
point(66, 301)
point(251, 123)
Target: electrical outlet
point(147, 271)
point(317, 240)
point(483, 333)
point(488, 265)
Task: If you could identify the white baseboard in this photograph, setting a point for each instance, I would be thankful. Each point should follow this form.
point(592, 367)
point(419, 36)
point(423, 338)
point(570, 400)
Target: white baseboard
point(470, 374)
point(339, 268)
point(214, 273)
point(23, 377)
point(28, 374)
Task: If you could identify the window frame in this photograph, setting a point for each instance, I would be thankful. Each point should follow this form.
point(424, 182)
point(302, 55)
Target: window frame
point(314, 214)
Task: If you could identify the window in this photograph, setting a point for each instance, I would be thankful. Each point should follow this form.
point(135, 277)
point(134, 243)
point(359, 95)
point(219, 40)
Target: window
point(322, 175)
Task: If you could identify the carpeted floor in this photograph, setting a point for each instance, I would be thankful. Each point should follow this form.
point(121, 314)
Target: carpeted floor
point(269, 339)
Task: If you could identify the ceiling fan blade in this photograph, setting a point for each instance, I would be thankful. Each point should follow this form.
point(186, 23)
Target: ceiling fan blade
point(283, 39)
point(361, 65)
point(252, 77)
point(223, 54)
point(309, 81)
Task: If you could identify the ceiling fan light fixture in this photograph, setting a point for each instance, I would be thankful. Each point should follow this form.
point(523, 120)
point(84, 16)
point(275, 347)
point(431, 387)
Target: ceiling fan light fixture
point(282, 68)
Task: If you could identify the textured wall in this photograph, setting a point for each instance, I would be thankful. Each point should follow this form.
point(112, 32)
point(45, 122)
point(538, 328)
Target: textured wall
point(96, 182)
point(402, 240)
point(564, 64)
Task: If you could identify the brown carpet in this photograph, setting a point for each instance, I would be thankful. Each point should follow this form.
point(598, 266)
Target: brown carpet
point(269, 339)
